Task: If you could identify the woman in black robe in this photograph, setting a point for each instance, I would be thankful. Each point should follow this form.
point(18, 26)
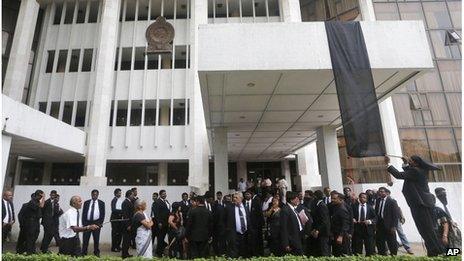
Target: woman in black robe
point(421, 202)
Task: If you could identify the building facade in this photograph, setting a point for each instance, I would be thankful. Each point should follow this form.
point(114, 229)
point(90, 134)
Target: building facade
point(247, 92)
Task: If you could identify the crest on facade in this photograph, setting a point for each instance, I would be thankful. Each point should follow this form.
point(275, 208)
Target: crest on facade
point(159, 36)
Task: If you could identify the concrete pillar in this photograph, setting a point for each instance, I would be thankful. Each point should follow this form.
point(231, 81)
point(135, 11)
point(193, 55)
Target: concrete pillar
point(329, 158)
point(290, 11)
point(242, 171)
point(284, 164)
point(16, 73)
point(164, 115)
point(95, 165)
point(46, 179)
point(162, 174)
point(308, 169)
point(6, 145)
point(17, 176)
point(221, 160)
point(198, 142)
point(366, 8)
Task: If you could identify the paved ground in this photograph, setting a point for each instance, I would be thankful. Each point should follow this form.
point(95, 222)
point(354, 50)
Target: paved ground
point(105, 249)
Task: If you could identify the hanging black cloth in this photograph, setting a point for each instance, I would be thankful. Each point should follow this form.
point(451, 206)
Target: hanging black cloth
point(355, 89)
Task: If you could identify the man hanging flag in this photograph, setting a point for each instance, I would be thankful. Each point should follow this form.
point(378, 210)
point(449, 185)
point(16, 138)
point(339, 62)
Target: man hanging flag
point(355, 89)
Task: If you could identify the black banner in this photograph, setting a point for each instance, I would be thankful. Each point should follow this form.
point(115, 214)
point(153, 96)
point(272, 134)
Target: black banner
point(355, 89)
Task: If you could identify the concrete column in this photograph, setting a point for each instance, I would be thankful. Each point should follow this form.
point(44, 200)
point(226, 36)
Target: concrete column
point(221, 160)
point(95, 165)
point(308, 169)
point(48, 167)
point(164, 116)
point(198, 144)
point(17, 176)
point(16, 73)
point(391, 135)
point(162, 174)
point(366, 8)
point(242, 171)
point(6, 145)
point(290, 11)
point(284, 164)
point(329, 158)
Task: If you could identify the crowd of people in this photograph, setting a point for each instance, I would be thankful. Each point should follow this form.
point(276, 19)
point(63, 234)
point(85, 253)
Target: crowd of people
point(263, 219)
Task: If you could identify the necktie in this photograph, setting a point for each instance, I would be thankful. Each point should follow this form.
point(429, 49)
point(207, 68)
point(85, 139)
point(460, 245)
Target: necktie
point(92, 210)
point(382, 205)
point(363, 214)
point(10, 218)
point(247, 206)
point(242, 221)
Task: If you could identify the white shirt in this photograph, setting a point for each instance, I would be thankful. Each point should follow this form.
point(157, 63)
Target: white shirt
point(119, 203)
point(365, 213)
point(96, 212)
point(7, 207)
point(327, 200)
point(297, 217)
point(238, 227)
point(242, 186)
point(382, 206)
point(68, 220)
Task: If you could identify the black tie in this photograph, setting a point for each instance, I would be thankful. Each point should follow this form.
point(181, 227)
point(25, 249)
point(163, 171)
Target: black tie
point(363, 214)
point(247, 206)
point(10, 218)
point(92, 210)
point(242, 221)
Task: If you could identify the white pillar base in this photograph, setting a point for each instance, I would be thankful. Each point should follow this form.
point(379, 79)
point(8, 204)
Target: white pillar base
point(93, 181)
point(308, 169)
point(329, 158)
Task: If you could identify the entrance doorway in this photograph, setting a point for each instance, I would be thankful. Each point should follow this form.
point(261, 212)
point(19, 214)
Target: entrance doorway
point(262, 170)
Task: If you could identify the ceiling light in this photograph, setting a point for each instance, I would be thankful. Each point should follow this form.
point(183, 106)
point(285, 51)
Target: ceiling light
point(250, 84)
point(298, 134)
point(320, 116)
point(236, 135)
point(242, 117)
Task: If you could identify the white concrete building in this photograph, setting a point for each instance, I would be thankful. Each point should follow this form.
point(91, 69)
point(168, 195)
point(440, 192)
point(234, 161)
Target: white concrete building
point(247, 84)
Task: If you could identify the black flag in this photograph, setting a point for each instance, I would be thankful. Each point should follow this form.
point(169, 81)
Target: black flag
point(355, 89)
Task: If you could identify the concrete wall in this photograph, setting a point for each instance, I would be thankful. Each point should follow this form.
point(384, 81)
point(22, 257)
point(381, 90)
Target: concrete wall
point(453, 190)
point(304, 46)
point(22, 195)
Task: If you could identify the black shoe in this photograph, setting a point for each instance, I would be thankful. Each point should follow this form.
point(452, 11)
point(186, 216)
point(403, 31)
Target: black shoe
point(127, 256)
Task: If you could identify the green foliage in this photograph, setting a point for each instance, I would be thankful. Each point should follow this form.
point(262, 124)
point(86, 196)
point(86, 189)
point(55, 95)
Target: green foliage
point(55, 257)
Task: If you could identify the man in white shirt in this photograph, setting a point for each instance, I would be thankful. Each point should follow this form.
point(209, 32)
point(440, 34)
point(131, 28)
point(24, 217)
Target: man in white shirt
point(70, 226)
point(93, 214)
point(242, 186)
point(8, 216)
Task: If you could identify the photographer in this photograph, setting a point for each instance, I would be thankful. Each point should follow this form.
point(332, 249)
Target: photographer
point(29, 223)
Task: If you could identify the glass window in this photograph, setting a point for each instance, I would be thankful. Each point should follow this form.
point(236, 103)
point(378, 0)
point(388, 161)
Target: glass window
point(442, 145)
point(165, 111)
point(456, 12)
point(152, 61)
point(67, 112)
point(437, 105)
point(66, 173)
point(139, 58)
point(179, 112)
point(143, 10)
point(31, 173)
point(58, 11)
point(93, 12)
point(437, 15)
point(386, 11)
point(178, 174)
point(442, 51)
point(80, 114)
point(55, 109)
point(43, 107)
point(50, 59)
point(130, 10)
point(404, 117)
point(181, 57)
point(411, 11)
point(126, 58)
point(232, 176)
point(121, 114)
point(182, 8)
point(87, 60)
point(68, 19)
point(81, 12)
point(62, 61)
point(429, 81)
point(414, 142)
point(454, 105)
point(234, 9)
point(74, 63)
point(150, 113)
point(155, 9)
point(450, 72)
point(136, 113)
point(139, 174)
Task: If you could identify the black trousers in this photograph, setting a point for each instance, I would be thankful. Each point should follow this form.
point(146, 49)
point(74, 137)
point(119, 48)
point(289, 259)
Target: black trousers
point(239, 245)
point(423, 217)
point(96, 242)
point(161, 244)
point(70, 246)
point(116, 234)
point(361, 238)
point(219, 243)
point(5, 231)
point(49, 233)
point(384, 236)
point(126, 241)
point(275, 245)
point(198, 249)
point(342, 249)
point(257, 242)
point(28, 235)
point(154, 231)
point(319, 246)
